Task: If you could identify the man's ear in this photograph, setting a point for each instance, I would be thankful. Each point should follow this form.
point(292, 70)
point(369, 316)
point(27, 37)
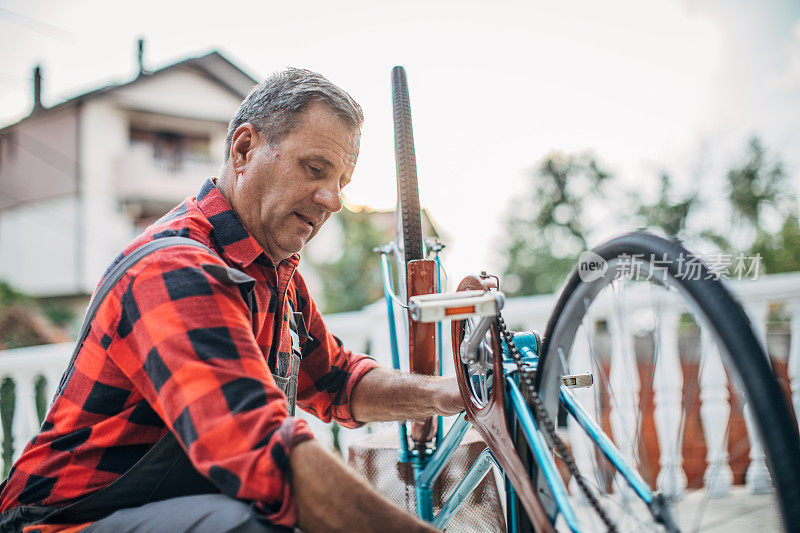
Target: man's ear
point(242, 144)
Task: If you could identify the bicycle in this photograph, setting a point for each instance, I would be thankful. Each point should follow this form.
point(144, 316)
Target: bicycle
point(567, 419)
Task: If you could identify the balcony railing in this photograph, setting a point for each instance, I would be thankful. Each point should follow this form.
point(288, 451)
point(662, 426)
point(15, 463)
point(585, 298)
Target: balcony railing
point(142, 177)
point(39, 369)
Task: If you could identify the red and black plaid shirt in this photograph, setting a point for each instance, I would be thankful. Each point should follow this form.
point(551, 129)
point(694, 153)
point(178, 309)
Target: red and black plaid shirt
point(176, 346)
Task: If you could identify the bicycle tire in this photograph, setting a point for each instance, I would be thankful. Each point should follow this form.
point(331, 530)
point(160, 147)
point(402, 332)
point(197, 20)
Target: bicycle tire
point(716, 310)
point(409, 227)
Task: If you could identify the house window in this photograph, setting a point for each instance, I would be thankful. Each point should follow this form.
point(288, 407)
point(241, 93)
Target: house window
point(171, 150)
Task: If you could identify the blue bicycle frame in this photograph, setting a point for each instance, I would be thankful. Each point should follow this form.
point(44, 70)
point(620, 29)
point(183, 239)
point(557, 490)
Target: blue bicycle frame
point(427, 466)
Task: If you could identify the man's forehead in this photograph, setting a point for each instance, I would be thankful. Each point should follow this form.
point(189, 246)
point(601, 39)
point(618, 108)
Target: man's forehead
point(320, 112)
point(325, 128)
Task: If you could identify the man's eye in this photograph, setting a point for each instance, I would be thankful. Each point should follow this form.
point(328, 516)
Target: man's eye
point(315, 170)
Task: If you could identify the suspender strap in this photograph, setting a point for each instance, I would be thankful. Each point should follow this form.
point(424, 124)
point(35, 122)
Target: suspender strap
point(108, 283)
point(287, 384)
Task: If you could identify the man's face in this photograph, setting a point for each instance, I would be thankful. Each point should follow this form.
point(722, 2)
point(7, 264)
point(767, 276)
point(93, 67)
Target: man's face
point(285, 192)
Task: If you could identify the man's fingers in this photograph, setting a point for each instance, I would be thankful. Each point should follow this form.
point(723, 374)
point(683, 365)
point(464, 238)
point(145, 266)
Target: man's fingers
point(449, 398)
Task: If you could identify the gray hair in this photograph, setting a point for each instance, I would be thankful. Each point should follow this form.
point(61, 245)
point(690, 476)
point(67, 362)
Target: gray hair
point(274, 105)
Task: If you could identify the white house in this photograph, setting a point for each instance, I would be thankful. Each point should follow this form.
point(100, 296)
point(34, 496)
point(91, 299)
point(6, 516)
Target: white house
point(79, 179)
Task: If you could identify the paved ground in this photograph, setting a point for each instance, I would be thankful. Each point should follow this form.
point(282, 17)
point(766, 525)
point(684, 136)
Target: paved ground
point(740, 512)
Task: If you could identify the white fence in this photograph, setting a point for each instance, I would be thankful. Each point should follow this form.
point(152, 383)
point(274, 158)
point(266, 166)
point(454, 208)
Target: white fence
point(366, 330)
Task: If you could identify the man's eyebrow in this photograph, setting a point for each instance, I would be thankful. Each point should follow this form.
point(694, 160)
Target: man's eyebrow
point(318, 158)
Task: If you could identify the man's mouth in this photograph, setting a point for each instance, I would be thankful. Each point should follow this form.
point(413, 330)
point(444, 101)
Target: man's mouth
point(305, 219)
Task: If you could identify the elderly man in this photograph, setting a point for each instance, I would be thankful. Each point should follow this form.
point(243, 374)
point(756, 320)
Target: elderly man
point(176, 412)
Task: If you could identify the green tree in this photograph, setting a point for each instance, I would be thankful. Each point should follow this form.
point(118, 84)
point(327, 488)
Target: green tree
point(756, 184)
point(779, 252)
point(547, 229)
point(26, 322)
point(755, 189)
point(353, 280)
point(10, 296)
point(666, 213)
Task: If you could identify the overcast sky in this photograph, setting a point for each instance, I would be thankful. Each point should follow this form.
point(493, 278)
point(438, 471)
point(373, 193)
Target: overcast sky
point(675, 85)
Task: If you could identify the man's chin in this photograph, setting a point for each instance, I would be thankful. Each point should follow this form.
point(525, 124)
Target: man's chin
point(278, 253)
point(293, 248)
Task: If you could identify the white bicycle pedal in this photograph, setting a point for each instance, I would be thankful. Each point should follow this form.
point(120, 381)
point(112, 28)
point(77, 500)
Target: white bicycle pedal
point(454, 306)
point(578, 381)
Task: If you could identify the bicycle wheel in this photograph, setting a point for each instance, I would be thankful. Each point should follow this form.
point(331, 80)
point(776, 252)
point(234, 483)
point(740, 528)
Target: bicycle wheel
point(682, 387)
point(408, 238)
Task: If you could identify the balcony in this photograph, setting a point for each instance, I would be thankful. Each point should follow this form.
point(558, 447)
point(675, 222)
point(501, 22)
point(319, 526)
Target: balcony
point(142, 179)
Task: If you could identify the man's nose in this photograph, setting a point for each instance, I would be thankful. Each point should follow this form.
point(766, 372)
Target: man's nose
point(329, 197)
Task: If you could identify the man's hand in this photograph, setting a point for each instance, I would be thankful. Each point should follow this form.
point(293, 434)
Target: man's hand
point(329, 496)
point(384, 395)
point(447, 399)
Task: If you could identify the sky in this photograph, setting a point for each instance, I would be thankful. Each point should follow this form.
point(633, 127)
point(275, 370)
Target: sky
point(663, 85)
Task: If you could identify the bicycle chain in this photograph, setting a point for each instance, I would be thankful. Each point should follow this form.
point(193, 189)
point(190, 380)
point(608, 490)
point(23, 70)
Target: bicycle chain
point(550, 427)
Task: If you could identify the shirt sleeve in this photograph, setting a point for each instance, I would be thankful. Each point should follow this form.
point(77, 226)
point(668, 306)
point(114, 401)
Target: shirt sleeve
point(185, 339)
point(328, 372)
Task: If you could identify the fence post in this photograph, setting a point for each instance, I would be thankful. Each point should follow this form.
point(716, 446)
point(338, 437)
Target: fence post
point(25, 421)
point(667, 397)
point(757, 478)
point(714, 413)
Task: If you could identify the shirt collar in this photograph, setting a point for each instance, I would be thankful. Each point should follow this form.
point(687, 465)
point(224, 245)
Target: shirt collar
point(235, 241)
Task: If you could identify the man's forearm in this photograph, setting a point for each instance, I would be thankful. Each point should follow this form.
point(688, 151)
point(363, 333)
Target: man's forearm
point(331, 497)
point(384, 394)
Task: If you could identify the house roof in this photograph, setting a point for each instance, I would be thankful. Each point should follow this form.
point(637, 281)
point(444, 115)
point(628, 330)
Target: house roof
point(213, 65)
